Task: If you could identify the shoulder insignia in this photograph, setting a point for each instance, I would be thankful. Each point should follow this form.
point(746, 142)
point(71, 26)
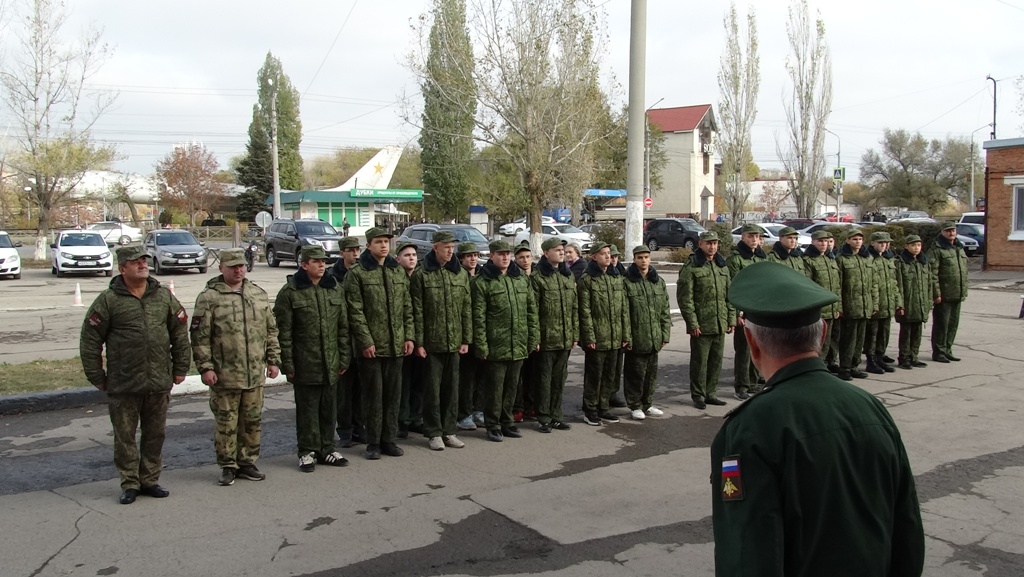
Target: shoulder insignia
point(95, 319)
point(182, 315)
point(196, 321)
point(732, 486)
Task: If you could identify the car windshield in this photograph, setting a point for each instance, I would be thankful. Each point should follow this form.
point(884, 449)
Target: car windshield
point(967, 228)
point(175, 238)
point(470, 235)
point(973, 218)
point(315, 229)
point(566, 229)
point(82, 239)
point(5, 241)
point(773, 228)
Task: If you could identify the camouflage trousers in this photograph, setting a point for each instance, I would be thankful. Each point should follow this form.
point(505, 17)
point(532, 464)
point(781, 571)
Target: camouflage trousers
point(877, 338)
point(910, 340)
point(945, 322)
point(830, 346)
point(552, 371)
point(500, 383)
point(350, 404)
point(440, 394)
point(526, 391)
point(381, 378)
point(414, 382)
point(598, 379)
point(471, 393)
point(705, 365)
point(315, 410)
point(138, 465)
point(641, 372)
point(743, 368)
point(851, 342)
point(236, 433)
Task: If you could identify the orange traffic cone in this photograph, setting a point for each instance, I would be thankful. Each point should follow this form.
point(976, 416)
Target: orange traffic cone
point(170, 287)
point(78, 296)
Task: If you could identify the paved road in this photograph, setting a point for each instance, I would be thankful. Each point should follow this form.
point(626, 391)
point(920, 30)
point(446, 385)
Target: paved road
point(625, 499)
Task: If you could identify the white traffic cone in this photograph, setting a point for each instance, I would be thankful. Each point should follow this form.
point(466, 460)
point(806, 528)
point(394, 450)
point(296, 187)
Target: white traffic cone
point(170, 287)
point(78, 296)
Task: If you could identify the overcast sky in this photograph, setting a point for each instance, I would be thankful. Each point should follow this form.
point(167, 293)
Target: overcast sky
point(186, 69)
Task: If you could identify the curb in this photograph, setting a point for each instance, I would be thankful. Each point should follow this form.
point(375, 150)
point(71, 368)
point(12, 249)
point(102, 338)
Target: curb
point(86, 396)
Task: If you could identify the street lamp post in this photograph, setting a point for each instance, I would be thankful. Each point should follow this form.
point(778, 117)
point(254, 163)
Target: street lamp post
point(273, 147)
point(839, 164)
point(971, 205)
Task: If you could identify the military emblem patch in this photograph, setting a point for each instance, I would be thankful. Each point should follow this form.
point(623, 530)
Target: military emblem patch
point(196, 321)
point(95, 319)
point(182, 315)
point(732, 486)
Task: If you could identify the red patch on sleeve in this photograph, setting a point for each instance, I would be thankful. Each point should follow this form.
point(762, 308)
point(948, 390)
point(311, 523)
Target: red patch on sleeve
point(182, 315)
point(95, 319)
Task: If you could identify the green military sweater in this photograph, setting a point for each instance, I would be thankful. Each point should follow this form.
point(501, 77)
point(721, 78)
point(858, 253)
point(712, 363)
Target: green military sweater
point(504, 314)
point(604, 318)
point(701, 291)
point(442, 308)
point(557, 305)
point(823, 269)
point(649, 317)
point(916, 280)
point(312, 329)
point(379, 306)
point(949, 265)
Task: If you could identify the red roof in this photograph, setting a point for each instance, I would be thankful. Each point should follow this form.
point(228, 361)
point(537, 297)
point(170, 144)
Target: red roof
point(680, 118)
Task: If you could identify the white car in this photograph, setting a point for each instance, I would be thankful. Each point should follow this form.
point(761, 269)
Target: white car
point(80, 251)
point(771, 234)
point(10, 260)
point(912, 216)
point(116, 232)
point(520, 225)
point(566, 232)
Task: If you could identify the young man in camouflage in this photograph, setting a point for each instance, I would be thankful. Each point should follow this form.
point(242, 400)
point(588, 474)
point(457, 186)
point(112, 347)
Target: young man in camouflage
point(832, 357)
point(313, 333)
point(890, 303)
point(860, 302)
point(650, 326)
point(144, 331)
point(525, 404)
point(471, 400)
point(747, 251)
point(701, 292)
point(949, 265)
point(380, 318)
point(555, 290)
point(917, 282)
point(820, 265)
point(786, 251)
point(616, 400)
point(410, 407)
point(351, 431)
point(234, 345)
point(504, 333)
point(443, 321)
point(604, 331)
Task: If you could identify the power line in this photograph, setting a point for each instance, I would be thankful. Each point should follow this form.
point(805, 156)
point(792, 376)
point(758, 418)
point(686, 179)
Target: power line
point(965, 101)
point(336, 36)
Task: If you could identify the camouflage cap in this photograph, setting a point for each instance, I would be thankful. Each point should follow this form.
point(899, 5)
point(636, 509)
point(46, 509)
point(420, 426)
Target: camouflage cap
point(312, 252)
point(376, 232)
point(467, 248)
point(500, 246)
point(911, 238)
point(880, 236)
point(752, 228)
point(614, 250)
point(787, 231)
point(709, 236)
point(129, 252)
point(232, 256)
point(597, 246)
point(854, 231)
point(948, 225)
point(349, 242)
point(551, 243)
point(776, 296)
point(404, 245)
point(641, 248)
point(444, 236)
point(820, 234)
point(525, 245)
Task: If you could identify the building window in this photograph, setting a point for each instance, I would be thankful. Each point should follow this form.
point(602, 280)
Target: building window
point(1017, 226)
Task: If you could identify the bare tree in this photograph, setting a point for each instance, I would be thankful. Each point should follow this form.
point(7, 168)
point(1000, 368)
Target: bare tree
point(739, 82)
point(809, 66)
point(772, 196)
point(186, 179)
point(51, 113)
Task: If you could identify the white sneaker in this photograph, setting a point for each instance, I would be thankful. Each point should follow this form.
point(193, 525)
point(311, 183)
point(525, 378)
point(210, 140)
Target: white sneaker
point(638, 414)
point(436, 444)
point(478, 418)
point(453, 442)
point(655, 412)
point(466, 424)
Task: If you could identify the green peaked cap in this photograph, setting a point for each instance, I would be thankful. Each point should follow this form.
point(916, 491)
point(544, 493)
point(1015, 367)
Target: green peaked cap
point(776, 296)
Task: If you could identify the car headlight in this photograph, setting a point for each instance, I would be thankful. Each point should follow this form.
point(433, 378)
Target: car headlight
point(67, 255)
point(166, 254)
point(104, 255)
point(14, 258)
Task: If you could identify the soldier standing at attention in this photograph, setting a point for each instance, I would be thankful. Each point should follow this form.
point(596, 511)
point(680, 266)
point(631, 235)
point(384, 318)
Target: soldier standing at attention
point(442, 310)
point(470, 373)
point(525, 404)
point(380, 318)
point(410, 407)
point(144, 330)
point(504, 332)
point(234, 345)
point(914, 276)
point(786, 251)
point(747, 252)
point(949, 265)
point(557, 306)
point(832, 356)
point(810, 477)
point(860, 302)
point(351, 431)
point(890, 302)
point(313, 332)
point(616, 400)
point(604, 330)
point(650, 326)
point(701, 292)
point(820, 265)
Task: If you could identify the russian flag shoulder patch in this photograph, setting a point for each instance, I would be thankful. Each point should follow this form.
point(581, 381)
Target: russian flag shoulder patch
point(732, 485)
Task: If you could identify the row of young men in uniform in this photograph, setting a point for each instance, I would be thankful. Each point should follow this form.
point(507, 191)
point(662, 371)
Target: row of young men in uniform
point(874, 286)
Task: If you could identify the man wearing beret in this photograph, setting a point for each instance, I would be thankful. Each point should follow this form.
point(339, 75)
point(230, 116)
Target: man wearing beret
point(650, 326)
point(701, 292)
point(820, 266)
point(443, 321)
point(555, 290)
point(313, 331)
point(351, 430)
point(604, 331)
point(380, 318)
point(914, 276)
point(890, 303)
point(471, 401)
point(410, 404)
point(144, 331)
point(234, 345)
point(810, 477)
point(949, 265)
point(860, 302)
point(747, 251)
point(786, 251)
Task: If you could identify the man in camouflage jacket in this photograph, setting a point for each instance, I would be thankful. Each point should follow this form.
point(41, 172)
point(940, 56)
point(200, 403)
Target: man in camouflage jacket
point(949, 267)
point(471, 399)
point(747, 252)
point(787, 251)
point(860, 302)
point(650, 325)
point(820, 265)
point(916, 281)
point(604, 331)
point(351, 430)
point(890, 303)
point(557, 309)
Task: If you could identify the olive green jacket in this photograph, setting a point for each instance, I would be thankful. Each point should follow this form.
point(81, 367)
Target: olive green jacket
point(823, 269)
point(146, 339)
point(890, 296)
point(701, 292)
point(949, 264)
point(604, 316)
point(557, 305)
point(234, 334)
point(743, 256)
point(791, 259)
point(379, 306)
point(504, 314)
point(313, 329)
point(917, 282)
point(650, 322)
point(860, 286)
point(442, 307)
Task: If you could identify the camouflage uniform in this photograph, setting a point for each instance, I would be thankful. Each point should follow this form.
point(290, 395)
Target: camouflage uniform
point(949, 267)
point(746, 375)
point(349, 398)
point(701, 292)
point(147, 345)
point(789, 258)
point(604, 322)
point(470, 374)
point(557, 312)
point(822, 269)
point(860, 301)
point(917, 283)
point(234, 334)
point(650, 327)
point(890, 299)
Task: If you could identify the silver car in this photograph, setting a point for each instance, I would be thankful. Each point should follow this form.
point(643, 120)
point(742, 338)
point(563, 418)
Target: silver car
point(771, 234)
point(174, 250)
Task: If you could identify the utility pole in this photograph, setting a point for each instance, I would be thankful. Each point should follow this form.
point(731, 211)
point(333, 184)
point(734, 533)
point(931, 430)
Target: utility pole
point(839, 164)
point(273, 148)
point(994, 87)
point(636, 127)
point(647, 150)
point(971, 205)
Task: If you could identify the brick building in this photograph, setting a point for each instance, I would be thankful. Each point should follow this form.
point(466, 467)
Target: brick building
point(1004, 210)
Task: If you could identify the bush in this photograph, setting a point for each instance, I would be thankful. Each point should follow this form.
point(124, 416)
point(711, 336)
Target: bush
point(609, 233)
point(679, 255)
point(725, 243)
point(898, 231)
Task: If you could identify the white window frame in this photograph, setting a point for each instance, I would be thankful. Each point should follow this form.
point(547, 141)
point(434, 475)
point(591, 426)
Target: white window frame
point(1016, 199)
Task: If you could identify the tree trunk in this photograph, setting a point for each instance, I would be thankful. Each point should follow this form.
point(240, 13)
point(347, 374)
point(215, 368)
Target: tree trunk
point(42, 232)
point(533, 188)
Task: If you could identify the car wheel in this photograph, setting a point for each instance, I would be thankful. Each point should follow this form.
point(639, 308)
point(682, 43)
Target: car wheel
point(60, 274)
point(156, 267)
point(272, 257)
point(652, 244)
point(690, 244)
point(53, 269)
point(125, 239)
point(17, 276)
point(298, 259)
point(108, 273)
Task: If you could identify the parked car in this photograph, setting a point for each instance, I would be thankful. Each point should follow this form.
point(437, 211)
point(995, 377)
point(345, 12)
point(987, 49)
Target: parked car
point(80, 251)
point(821, 225)
point(800, 223)
point(174, 250)
point(912, 216)
point(515, 226)
point(285, 238)
point(974, 231)
point(566, 232)
point(971, 246)
point(831, 217)
point(974, 218)
point(771, 234)
point(422, 235)
point(684, 232)
point(116, 232)
point(10, 260)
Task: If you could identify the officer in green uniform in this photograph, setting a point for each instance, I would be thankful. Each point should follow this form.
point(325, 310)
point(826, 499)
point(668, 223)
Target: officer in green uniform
point(351, 431)
point(890, 303)
point(313, 332)
point(555, 290)
point(144, 330)
point(604, 330)
point(471, 403)
point(650, 326)
point(380, 318)
point(747, 251)
point(234, 344)
point(701, 292)
point(916, 281)
point(786, 251)
point(443, 320)
point(949, 265)
point(820, 266)
point(810, 477)
point(860, 302)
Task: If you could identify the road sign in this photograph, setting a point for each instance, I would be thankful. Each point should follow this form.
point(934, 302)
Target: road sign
point(839, 173)
point(648, 202)
point(263, 219)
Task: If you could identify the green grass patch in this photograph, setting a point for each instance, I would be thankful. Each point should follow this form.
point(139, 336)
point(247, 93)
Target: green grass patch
point(43, 376)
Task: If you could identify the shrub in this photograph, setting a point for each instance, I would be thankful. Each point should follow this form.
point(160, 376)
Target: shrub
point(609, 233)
point(679, 255)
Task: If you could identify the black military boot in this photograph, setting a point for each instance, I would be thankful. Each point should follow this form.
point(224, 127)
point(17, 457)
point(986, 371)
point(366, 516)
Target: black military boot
point(905, 363)
point(873, 366)
point(886, 365)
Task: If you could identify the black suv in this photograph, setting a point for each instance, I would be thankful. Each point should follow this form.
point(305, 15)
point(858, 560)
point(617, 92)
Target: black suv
point(684, 232)
point(285, 238)
point(422, 235)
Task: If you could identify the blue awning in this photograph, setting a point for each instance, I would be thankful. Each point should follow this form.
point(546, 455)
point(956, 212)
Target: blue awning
point(605, 192)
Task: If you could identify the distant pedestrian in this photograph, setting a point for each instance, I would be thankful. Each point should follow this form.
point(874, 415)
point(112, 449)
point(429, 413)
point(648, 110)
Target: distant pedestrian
point(345, 226)
point(949, 265)
point(917, 282)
